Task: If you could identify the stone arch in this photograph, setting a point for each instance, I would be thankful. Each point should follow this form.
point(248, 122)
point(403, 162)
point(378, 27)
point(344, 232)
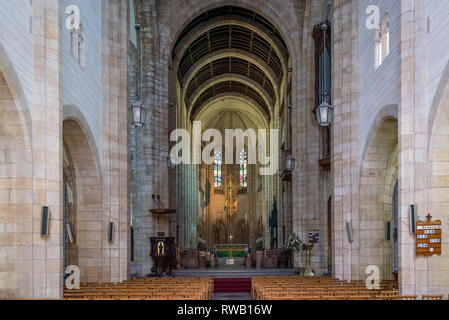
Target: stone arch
point(231, 77)
point(272, 77)
point(268, 10)
point(11, 80)
point(379, 173)
point(438, 173)
point(388, 111)
point(72, 112)
point(89, 227)
point(260, 116)
point(16, 186)
point(183, 14)
point(441, 97)
point(209, 25)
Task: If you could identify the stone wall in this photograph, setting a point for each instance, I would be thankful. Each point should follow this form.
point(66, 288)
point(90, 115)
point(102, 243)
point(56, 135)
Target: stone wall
point(16, 21)
point(81, 85)
point(37, 79)
point(41, 85)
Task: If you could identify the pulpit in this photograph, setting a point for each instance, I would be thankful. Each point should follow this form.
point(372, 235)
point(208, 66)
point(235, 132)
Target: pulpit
point(163, 253)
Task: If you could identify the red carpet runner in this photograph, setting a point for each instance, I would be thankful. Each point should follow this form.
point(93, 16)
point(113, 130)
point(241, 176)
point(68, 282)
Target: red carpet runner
point(224, 285)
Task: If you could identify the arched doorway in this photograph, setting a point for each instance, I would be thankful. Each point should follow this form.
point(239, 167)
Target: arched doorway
point(378, 200)
point(16, 193)
point(82, 211)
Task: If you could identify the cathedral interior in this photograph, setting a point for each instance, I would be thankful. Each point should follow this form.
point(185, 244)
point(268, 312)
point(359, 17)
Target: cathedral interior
point(348, 101)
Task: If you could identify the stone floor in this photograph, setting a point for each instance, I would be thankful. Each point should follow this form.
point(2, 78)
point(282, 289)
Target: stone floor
point(233, 296)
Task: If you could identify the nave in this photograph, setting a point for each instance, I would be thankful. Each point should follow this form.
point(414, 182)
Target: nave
point(262, 288)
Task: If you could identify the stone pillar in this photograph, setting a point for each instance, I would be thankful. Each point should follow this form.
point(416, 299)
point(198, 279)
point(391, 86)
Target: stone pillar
point(115, 162)
point(345, 99)
point(305, 200)
point(47, 273)
point(413, 271)
point(152, 169)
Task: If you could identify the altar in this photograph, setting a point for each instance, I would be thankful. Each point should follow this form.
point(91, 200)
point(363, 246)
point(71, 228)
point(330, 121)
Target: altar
point(231, 250)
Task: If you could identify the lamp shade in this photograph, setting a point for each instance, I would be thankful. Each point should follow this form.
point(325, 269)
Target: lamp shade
point(324, 114)
point(290, 163)
point(170, 164)
point(138, 113)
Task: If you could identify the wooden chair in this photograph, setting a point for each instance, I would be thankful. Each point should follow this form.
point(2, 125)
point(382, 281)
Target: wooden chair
point(398, 297)
point(433, 297)
point(360, 298)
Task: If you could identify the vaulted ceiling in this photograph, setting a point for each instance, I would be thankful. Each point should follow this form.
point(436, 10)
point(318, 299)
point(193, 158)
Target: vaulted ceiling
point(230, 37)
point(230, 87)
point(230, 50)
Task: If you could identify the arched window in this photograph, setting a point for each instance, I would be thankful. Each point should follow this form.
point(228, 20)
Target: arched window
point(78, 47)
point(383, 41)
point(385, 36)
point(243, 169)
point(378, 53)
point(217, 169)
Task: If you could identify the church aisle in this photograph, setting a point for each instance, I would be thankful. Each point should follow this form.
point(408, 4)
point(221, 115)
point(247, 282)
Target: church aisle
point(232, 296)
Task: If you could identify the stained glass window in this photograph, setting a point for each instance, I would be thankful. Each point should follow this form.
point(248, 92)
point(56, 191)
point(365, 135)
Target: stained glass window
point(243, 169)
point(217, 169)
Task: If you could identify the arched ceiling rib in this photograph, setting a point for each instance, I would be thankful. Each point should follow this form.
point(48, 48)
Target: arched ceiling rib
point(230, 37)
point(230, 65)
point(230, 50)
point(230, 87)
point(231, 11)
point(227, 101)
point(211, 24)
point(226, 53)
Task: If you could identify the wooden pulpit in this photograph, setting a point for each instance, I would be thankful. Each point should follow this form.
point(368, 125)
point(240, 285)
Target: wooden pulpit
point(163, 253)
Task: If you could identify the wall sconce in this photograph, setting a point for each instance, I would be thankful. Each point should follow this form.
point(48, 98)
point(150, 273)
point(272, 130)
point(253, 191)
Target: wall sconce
point(170, 164)
point(290, 163)
point(324, 114)
point(139, 114)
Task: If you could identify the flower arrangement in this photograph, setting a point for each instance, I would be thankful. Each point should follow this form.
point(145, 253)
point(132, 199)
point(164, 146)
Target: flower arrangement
point(293, 243)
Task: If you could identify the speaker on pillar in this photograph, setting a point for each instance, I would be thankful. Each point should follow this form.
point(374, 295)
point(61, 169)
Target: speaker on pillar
point(111, 233)
point(45, 222)
point(413, 214)
point(387, 231)
point(350, 231)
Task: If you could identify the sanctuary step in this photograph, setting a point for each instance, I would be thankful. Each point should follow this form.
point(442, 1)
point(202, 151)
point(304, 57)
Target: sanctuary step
point(235, 285)
point(233, 273)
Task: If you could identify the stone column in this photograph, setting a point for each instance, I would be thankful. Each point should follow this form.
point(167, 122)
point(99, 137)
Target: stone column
point(305, 200)
point(115, 162)
point(47, 274)
point(345, 99)
point(153, 138)
point(413, 271)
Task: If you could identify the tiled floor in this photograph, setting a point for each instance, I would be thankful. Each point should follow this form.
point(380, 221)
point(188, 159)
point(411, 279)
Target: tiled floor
point(233, 296)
